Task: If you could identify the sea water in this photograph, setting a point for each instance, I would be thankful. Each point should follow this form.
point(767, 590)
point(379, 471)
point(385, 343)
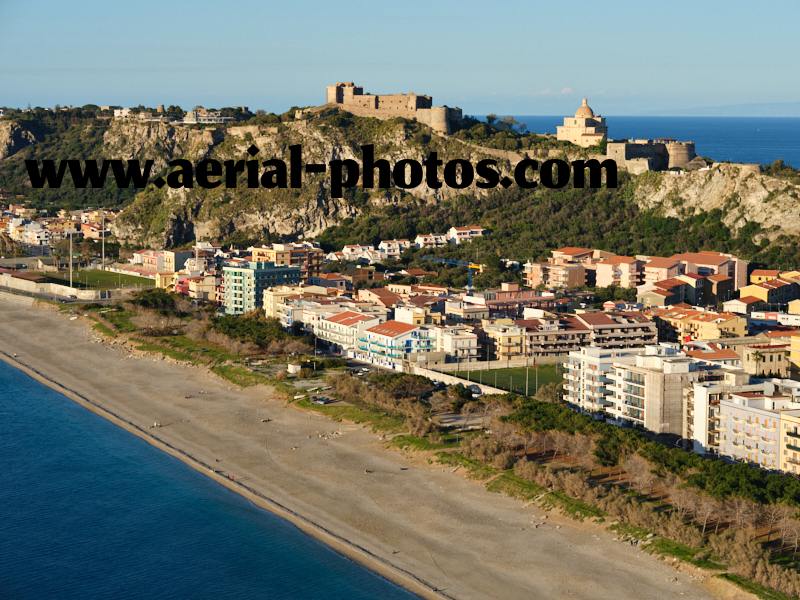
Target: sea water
point(735, 139)
point(88, 510)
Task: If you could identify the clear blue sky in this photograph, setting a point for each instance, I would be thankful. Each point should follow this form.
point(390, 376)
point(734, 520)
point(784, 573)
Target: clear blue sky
point(515, 57)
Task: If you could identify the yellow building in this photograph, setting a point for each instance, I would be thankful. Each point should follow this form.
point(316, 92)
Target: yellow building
point(504, 339)
point(762, 275)
point(165, 280)
point(685, 324)
point(794, 307)
point(773, 291)
point(794, 354)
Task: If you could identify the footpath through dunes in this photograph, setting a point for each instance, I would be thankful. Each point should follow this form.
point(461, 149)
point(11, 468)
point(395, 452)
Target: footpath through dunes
point(419, 525)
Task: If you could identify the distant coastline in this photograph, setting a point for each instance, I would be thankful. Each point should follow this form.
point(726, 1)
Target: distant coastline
point(761, 140)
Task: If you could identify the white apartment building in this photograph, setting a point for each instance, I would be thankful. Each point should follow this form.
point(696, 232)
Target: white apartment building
point(750, 424)
point(459, 342)
point(587, 375)
point(343, 329)
point(391, 343)
point(649, 392)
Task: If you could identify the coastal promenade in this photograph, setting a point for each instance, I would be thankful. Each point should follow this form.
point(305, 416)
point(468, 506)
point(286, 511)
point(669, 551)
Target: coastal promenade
point(422, 526)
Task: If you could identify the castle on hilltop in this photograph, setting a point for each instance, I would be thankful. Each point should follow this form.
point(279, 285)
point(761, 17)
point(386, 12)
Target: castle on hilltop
point(352, 98)
point(586, 129)
point(638, 156)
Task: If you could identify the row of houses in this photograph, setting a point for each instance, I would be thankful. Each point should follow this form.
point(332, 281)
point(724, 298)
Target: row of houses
point(571, 266)
point(393, 249)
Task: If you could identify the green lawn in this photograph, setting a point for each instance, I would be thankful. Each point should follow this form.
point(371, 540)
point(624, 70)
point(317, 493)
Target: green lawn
point(513, 379)
point(101, 280)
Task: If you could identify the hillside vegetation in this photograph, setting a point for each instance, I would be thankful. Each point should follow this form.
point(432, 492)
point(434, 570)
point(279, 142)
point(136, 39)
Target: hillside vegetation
point(728, 207)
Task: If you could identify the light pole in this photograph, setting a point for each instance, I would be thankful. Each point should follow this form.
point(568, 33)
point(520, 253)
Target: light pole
point(70, 259)
point(103, 240)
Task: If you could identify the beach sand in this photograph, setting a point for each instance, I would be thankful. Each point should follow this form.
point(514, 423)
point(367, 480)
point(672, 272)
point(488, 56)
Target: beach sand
point(417, 524)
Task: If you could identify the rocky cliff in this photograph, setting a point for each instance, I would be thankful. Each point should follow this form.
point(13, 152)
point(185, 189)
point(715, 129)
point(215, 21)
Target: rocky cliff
point(13, 138)
point(173, 217)
point(741, 192)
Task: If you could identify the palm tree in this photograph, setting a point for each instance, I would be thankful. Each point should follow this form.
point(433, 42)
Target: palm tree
point(758, 357)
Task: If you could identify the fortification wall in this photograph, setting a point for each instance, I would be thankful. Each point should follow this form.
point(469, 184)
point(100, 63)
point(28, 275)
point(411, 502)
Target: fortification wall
point(386, 106)
point(680, 153)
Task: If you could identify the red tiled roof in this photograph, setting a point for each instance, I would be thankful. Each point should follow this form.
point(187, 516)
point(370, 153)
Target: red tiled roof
point(750, 300)
point(595, 318)
point(715, 353)
point(660, 262)
point(392, 328)
point(765, 273)
point(618, 260)
point(348, 317)
point(718, 277)
point(573, 250)
point(668, 284)
point(704, 257)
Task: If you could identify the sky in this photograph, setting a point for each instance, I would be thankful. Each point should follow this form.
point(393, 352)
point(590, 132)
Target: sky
point(505, 57)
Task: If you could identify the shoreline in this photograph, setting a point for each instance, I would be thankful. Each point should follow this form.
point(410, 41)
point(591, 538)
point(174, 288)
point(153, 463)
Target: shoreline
point(343, 546)
point(435, 534)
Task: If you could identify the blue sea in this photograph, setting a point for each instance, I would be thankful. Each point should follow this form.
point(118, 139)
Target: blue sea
point(87, 510)
point(736, 139)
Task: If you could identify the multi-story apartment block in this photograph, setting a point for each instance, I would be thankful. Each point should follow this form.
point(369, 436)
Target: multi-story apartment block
point(686, 324)
point(554, 336)
point(618, 329)
point(344, 328)
point(619, 271)
point(244, 283)
point(773, 293)
point(304, 255)
point(701, 408)
point(392, 343)
point(751, 429)
point(789, 441)
point(587, 375)
point(458, 342)
point(649, 392)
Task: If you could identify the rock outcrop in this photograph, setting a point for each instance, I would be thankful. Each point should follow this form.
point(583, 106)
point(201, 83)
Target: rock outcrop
point(741, 192)
point(13, 138)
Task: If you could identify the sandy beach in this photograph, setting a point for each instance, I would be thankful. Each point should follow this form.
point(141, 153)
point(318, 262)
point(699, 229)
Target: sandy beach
point(420, 525)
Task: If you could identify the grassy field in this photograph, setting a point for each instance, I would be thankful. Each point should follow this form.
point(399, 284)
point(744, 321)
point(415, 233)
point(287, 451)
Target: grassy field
point(100, 280)
point(513, 379)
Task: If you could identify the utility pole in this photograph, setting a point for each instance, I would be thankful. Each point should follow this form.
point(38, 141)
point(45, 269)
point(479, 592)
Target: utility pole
point(526, 376)
point(70, 259)
point(103, 240)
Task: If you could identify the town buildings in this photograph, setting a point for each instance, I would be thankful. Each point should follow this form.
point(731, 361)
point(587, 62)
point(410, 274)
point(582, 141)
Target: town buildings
point(587, 375)
point(303, 255)
point(244, 282)
point(649, 391)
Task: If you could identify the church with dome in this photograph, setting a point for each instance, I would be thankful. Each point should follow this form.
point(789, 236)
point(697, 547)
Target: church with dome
point(585, 129)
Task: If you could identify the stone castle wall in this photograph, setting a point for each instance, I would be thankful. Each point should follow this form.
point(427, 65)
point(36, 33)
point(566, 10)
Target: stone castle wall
point(651, 155)
point(386, 106)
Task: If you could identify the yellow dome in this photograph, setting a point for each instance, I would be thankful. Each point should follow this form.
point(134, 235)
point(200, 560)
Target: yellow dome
point(584, 111)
